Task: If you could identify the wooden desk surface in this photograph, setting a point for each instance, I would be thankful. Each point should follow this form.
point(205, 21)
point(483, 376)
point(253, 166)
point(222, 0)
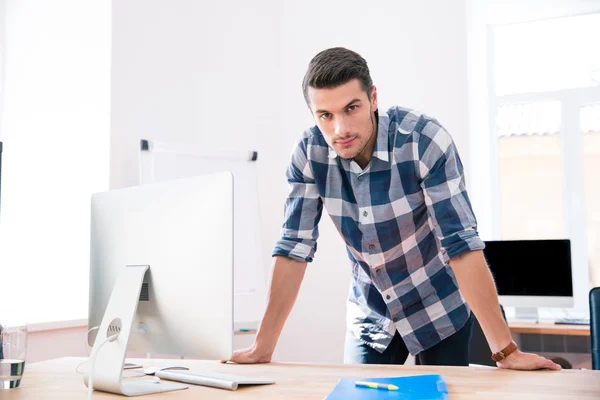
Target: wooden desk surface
point(57, 379)
point(549, 329)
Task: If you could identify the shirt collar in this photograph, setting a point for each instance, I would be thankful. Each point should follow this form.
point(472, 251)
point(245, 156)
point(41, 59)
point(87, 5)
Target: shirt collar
point(381, 146)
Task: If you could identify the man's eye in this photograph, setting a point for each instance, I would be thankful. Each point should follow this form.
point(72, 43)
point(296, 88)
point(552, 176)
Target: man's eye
point(351, 108)
point(325, 116)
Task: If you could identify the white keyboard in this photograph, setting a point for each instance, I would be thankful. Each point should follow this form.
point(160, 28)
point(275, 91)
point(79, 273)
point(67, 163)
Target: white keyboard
point(222, 381)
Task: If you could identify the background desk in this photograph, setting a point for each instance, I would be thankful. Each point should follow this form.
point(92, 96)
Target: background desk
point(549, 329)
point(57, 379)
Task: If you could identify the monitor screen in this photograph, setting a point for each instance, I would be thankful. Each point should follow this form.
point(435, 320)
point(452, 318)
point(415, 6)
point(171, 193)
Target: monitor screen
point(531, 267)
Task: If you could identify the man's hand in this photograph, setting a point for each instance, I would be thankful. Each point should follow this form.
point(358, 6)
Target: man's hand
point(250, 355)
point(526, 361)
point(477, 286)
point(285, 283)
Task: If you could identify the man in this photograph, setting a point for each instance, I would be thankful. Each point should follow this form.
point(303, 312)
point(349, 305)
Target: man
point(393, 184)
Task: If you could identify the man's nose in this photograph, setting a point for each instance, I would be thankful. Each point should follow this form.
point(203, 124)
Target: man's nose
point(342, 129)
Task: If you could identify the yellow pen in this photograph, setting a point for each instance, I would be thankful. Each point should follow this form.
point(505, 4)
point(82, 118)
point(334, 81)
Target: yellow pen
point(375, 385)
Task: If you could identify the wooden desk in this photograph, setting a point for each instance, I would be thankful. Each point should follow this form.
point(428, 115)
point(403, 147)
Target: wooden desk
point(57, 379)
point(549, 329)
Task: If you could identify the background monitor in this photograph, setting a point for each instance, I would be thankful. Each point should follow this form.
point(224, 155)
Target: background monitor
point(531, 274)
point(183, 230)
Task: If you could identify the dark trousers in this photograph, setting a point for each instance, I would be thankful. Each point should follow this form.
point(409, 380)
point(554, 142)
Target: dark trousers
point(454, 350)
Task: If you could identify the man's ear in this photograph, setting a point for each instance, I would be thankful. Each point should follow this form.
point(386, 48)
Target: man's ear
point(374, 97)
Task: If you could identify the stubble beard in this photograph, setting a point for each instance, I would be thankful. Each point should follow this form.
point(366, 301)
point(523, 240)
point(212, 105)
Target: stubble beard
point(373, 127)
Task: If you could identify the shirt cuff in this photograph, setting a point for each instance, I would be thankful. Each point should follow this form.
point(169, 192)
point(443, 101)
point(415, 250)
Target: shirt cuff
point(462, 242)
point(302, 250)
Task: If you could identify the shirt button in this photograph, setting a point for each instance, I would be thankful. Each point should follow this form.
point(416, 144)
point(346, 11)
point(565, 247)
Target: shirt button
point(360, 178)
point(365, 213)
point(388, 297)
point(395, 319)
point(371, 247)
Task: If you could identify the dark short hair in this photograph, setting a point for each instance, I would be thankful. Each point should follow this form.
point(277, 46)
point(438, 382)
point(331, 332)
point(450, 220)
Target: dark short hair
point(334, 67)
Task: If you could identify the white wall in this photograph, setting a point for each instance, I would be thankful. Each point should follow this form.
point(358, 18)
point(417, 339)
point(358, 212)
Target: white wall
point(229, 74)
point(481, 16)
point(201, 73)
point(50, 344)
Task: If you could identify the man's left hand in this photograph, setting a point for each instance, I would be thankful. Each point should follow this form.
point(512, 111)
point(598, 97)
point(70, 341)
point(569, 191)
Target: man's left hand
point(526, 361)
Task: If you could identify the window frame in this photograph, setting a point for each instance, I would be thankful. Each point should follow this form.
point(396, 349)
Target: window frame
point(571, 101)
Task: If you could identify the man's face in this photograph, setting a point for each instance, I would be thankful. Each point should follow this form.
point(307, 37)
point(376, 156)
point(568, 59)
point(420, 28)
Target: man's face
point(345, 116)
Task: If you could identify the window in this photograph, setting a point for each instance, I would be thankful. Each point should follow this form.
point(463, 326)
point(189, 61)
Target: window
point(545, 105)
point(548, 55)
point(56, 133)
point(530, 171)
point(590, 131)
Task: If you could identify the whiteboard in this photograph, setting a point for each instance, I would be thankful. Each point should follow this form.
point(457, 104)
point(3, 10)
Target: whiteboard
point(161, 161)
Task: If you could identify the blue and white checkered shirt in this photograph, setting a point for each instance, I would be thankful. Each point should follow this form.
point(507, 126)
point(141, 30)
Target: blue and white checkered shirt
point(402, 218)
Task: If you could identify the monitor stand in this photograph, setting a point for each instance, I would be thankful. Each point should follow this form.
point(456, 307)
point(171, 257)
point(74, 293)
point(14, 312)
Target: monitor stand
point(110, 358)
point(526, 314)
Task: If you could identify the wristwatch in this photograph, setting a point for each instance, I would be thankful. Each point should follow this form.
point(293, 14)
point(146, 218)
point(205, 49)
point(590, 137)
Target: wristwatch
point(505, 352)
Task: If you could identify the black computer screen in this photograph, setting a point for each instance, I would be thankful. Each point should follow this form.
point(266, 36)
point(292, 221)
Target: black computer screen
point(531, 267)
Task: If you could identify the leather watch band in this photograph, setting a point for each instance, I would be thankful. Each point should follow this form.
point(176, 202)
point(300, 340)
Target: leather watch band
point(505, 352)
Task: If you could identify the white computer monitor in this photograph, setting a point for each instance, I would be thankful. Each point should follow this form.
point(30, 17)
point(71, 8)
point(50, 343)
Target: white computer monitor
point(530, 274)
point(162, 260)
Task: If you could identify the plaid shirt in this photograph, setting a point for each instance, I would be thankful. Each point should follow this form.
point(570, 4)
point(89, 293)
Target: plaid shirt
point(402, 218)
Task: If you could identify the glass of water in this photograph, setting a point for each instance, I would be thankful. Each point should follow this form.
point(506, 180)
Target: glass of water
point(13, 349)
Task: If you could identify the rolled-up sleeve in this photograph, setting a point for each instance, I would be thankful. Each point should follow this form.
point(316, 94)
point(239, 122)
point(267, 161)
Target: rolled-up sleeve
point(303, 208)
point(443, 184)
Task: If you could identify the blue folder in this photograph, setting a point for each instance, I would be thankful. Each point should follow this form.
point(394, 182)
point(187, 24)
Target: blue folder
point(419, 387)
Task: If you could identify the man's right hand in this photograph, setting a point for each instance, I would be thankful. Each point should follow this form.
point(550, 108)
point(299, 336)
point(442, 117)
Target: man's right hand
point(285, 283)
point(250, 355)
